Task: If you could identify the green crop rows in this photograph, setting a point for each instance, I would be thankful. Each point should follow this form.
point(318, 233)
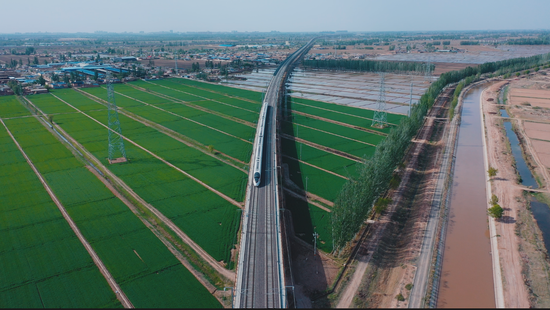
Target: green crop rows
point(10, 107)
point(336, 129)
point(233, 107)
point(230, 91)
point(43, 262)
point(337, 164)
point(129, 250)
point(308, 219)
point(345, 114)
point(222, 142)
point(204, 216)
point(77, 100)
point(326, 139)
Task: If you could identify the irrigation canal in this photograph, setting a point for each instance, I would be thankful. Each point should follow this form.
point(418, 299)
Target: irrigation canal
point(540, 210)
point(467, 272)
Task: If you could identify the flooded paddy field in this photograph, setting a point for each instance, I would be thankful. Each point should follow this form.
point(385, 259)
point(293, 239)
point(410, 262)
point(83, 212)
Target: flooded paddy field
point(355, 89)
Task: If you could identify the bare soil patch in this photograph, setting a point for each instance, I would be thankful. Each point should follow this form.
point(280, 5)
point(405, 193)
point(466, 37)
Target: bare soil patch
point(537, 130)
point(542, 148)
point(504, 187)
point(442, 67)
point(313, 274)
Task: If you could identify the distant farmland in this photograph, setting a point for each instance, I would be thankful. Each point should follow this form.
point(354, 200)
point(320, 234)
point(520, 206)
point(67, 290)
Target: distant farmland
point(188, 145)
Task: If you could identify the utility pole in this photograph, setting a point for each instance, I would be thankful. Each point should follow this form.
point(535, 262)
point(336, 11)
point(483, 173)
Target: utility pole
point(315, 236)
point(176, 61)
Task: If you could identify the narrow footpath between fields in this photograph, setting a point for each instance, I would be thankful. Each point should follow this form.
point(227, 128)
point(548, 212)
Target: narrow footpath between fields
point(121, 296)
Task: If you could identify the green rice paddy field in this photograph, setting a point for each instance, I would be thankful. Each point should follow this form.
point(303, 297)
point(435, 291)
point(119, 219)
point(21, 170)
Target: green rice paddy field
point(31, 226)
point(129, 250)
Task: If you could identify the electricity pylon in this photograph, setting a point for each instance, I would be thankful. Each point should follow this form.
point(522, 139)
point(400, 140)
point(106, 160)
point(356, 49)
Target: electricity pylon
point(380, 118)
point(411, 100)
point(116, 143)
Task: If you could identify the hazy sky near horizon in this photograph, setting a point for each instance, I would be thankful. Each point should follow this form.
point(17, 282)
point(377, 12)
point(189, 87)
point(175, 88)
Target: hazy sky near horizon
point(282, 15)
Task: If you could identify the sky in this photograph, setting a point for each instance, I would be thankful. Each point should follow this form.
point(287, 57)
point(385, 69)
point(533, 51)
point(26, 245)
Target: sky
point(280, 15)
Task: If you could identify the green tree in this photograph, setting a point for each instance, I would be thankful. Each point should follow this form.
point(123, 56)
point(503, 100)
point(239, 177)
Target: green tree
point(492, 172)
point(494, 200)
point(35, 61)
point(41, 80)
point(400, 297)
point(29, 50)
point(211, 148)
point(381, 205)
point(518, 74)
point(16, 87)
point(495, 211)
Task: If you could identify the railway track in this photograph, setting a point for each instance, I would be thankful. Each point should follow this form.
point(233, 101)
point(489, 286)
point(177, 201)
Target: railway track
point(260, 272)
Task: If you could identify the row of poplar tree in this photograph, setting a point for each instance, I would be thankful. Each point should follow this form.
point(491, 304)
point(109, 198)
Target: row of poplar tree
point(367, 65)
point(357, 196)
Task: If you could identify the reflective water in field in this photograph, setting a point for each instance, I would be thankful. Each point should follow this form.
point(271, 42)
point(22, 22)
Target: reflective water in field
point(467, 274)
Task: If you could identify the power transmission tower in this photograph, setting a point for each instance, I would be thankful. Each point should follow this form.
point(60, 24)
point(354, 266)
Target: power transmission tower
point(116, 143)
point(380, 118)
point(428, 72)
point(411, 100)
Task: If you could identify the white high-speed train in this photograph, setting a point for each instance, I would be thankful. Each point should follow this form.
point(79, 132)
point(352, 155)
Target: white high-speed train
point(260, 147)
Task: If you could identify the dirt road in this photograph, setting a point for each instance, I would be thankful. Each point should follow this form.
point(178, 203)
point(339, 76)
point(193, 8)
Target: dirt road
point(505, 188)
point(368, 247)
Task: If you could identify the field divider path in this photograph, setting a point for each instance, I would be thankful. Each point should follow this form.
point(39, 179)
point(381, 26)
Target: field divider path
point(199, 250)
point(160, 109)
point(322, 148)
point(336, 122)
point(317, 167)
point(121, 296)
point(306, 199)
point(224, 94)
point(371, 101)
point(222, 195)
point(203, 254)
point(343, 113)
point(205, 98)
point(198, 275)
point(330, 133)
point(194, 106)
point(171, 133)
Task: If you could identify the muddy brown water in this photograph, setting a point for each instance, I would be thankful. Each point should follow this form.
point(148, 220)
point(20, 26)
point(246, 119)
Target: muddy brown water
point(467, 274)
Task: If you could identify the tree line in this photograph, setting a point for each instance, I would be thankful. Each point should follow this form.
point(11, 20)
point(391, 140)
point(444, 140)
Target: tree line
point(357, 196)
point(542, 40)
point(366, 65)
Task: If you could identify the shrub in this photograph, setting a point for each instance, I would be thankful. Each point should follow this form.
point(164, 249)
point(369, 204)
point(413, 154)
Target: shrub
point(496, 211)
